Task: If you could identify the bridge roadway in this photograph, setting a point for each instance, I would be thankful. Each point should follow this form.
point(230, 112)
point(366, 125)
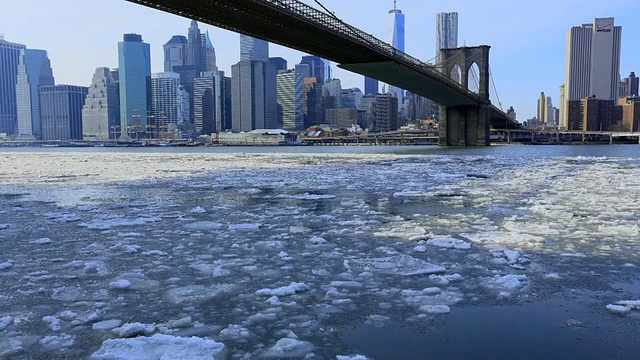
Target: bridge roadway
point(296, 25)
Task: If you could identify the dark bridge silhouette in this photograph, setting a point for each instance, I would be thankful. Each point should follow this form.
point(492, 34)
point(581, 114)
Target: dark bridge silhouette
point(465, 116)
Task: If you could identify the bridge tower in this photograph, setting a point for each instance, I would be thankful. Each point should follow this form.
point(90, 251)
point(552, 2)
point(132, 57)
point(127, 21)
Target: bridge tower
point(466, 125)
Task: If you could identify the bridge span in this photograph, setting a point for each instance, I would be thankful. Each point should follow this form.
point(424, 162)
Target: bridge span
point(466, 117)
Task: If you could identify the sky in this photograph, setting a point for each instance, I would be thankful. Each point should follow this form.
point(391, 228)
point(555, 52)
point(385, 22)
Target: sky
point(527, 38)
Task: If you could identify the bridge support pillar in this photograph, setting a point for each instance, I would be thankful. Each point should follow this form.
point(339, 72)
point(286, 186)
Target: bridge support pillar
point(465, 125)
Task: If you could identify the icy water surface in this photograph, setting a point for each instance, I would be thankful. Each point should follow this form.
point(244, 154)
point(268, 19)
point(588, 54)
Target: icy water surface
point(379, 253)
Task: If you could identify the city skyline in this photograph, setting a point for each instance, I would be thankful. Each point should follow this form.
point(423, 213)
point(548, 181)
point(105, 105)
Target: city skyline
point(517, 65)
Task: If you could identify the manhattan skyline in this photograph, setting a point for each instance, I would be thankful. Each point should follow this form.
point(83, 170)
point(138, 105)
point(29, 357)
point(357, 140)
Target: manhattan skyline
point(527, 56)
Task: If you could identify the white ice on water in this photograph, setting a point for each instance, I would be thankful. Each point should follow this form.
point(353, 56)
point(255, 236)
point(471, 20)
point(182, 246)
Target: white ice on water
point(160, 346)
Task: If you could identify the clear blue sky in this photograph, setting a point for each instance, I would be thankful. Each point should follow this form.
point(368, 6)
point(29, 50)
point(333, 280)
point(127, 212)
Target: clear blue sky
point(528, 38)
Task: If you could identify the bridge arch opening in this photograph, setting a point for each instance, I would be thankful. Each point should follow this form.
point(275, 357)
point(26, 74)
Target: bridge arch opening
point(456, 74)
point(473, 78)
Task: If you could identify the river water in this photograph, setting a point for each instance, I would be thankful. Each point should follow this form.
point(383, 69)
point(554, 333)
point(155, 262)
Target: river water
point(365, 252)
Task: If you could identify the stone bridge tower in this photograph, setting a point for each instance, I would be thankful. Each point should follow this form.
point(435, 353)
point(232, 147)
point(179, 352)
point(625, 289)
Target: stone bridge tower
point(466, 125)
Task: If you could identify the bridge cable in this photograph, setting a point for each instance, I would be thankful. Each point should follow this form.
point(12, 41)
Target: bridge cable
point(495, 89)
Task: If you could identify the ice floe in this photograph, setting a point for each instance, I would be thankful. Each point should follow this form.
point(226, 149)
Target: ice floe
point(290, 289)
point(287, 348)
point(160, 346)
point(404, 265)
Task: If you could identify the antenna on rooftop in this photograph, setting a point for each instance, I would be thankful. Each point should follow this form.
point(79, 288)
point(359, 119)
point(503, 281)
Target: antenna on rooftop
point(395, 5)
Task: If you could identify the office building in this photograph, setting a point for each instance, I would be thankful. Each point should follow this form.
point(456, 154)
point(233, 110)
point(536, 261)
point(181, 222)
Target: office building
point(134, 61)
point(210, 60)
point(195, 48)
point(333, 87)
point(290, 98)
point(175, 52)
point(385, 113)
point(446, 32)
point(9, 60)
point(101, 110)
point(630, 113)
point(254, 96)
point(342, 118)
point(371, 86)
point(631, 86)
point(395, 37)
point(546, 112)
point(279, 63)
point(593, 61)
point(350, 98)
point(212, 103)
point(252, 49)
point(34, 71)
point(316, 67)
point(511, 112)
point(61, 111)
point(304, 70)
point(312, 102)
point(165, 103)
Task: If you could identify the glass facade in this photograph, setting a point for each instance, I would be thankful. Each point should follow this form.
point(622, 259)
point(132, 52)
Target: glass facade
point(61, 111)
point(101, 111)
point(9, 58)
point(134, 61)
point(252, 49)
point(34, 71)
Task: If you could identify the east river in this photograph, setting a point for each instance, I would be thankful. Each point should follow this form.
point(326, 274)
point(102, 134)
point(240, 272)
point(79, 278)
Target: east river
point(502, 252)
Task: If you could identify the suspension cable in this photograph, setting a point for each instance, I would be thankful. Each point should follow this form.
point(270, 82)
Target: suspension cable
point(495, 89)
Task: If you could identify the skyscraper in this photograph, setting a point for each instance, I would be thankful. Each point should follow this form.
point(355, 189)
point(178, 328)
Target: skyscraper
point(593, 61)
point(101, 111)
point(61, 111)
point(134, 61)
point(34, 71)
point(545, 110)
point(632, 85)
point(279, 63)
point(385, 113)
point(195, 51)
point(253, 49)
point(175, 52)
point(446, 32)
point(165, 106)
point(316, 67)
point(212, 102)
point(371, 86)
point(9, 59)
point(210, 55)
point(290, 97)
point(254, 96)
point(312, 102)
point(395, 37)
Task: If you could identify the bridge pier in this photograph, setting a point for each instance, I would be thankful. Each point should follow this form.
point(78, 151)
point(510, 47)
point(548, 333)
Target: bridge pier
point(465, 125)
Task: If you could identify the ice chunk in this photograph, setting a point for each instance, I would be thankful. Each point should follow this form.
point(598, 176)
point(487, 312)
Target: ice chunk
point(134, 329)
point(552, 276)
point(510, 282)
point(185, 322)
point(618, 309)
point(5, 321)
point(287, 348)
point(634, 304)
point(512, 255)
point(420, 248)
point(245, 227)
point(404, 265)
point(43, 241)
point(6, 265)
point(120, 284)
point(155, 252)
point(196, 293)
point(54, 322)
point(435, 309)
point(432, 291)
point(198, 210)
point(449, 243)
point(53, 343)
point(351, 357)
point(406, 230)
point(577, 255)
point(106, 325)
point(204, 226)
point(317, 240)
point(305, 196)
point(4, 226)
point(234, 331)
point(160, 346)
point(291, 289)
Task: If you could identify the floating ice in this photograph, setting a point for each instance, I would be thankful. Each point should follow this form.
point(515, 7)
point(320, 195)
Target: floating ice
point(410, 194)
point(512, 255)
point(5, 321)
point(185, 322)
point(120, 284)
point(404, 265)
point(552, 276)
point(52, 343)
point(305, 196)
point(618, 309)
point(317, 240)
point(406, 230)
point(432, 291)
point(245, 227)
point(435, 309)
point(134, 329)
point(633, 304)
point(196, 293)
point(43, 241)
point(351, 357)
point(107, 223)
point(106, 325)
point(446, 279)
point(6, 265)
point(155, 252)
point(204, 225)
point(160, 346)
point(420, 248)
point(198, 210)
point(287, 348)
point(130, 234)
point(449, 243)
point(291, 289)
point(4, 226)
point(497, 237)
point(234, 331)
point(53, 322)
point(509, 282)
point(576, 255)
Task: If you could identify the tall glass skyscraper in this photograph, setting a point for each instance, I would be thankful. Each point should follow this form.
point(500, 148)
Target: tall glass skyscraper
point(290, 97)
point(61, 109)
point(317, 67)
point(165, 106)
point(9, 59)
point(253, 49)
point(254, 96)
point(395, 37)
point(446, 32)
point(175, 52)
point(134, 59)
point(195, 51)
point(34, 71)
point(210, 54)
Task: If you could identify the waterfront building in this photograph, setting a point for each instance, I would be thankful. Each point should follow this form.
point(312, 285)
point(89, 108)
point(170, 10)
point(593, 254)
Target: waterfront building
point(61, 111)
point(34, 71)
point(254, 96)
point(212, 103)
point(9, 60)
point(134, 59)
point(165, 103)
point(631, 85)
point(344, 118)
point(252, 49)
point(395, 37)
point(593, 114)
point(290, 100)
point(562, 117)
point(593, 61)
point(385, 113)
point(175, 52)
point(371, 86)
point(446, 32)
point(101, 110)
point(630, 113)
